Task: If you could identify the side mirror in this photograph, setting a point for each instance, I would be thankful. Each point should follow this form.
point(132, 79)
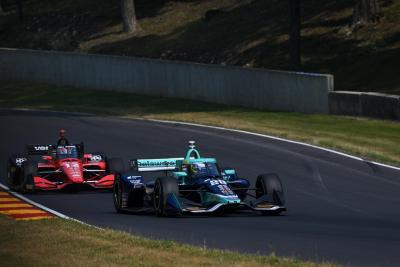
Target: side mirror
point(228, 174)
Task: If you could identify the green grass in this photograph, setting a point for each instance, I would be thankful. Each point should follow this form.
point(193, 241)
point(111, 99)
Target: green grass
point(372, 139)
point(251, 33)
point(59, 242)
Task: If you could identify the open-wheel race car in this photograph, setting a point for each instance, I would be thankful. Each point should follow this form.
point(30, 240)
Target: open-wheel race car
point(49, 167)
point(194, 185)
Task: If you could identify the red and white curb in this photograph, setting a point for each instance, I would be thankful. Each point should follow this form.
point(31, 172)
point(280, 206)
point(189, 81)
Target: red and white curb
point(19, 209)
point(33, 204)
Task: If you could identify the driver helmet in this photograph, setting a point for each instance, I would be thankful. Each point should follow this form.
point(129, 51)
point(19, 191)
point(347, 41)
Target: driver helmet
point(196, 167)
point(193, 169)
point(62, 150)
point(62, 133)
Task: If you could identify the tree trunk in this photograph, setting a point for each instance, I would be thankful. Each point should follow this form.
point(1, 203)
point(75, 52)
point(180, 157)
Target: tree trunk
point(20, 9)
point(1, 7)
point(295, 35)
point(129, 16)
point(366, 11)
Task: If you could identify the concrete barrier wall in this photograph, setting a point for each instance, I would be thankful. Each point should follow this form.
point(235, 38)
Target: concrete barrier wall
point(256, 88)
point(365, 104)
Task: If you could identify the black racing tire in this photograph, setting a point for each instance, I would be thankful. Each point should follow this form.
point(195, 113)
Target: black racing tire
point(162, 187)
point(115, 165)
point(12, 178)
point(117, 194)
point(28, 172)
point(269, 184)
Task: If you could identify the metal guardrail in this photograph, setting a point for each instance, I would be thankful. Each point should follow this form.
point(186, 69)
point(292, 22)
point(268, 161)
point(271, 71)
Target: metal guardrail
point(254, 88)
point(373, 105)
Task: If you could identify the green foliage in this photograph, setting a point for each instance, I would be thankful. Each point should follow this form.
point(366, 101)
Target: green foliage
point(251, 33)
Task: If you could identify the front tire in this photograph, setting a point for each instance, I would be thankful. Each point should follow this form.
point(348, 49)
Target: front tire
point(117, 194)
point(270, 185)
point(29, 171)
point(162, 188)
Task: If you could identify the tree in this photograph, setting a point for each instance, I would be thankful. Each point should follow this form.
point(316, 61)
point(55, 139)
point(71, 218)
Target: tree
point(295, 35)
point(129, 16)
point(366, 11)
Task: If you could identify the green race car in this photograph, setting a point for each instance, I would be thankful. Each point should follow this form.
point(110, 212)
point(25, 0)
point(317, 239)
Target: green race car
point(195, 185)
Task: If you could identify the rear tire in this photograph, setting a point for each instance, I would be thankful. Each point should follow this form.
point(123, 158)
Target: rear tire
point(115, 165)
point(270, 185)
point(162, 188)
point(11, 177)
point(28, 172)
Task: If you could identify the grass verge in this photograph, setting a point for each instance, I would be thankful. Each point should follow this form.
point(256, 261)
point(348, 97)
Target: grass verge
point(372, 139)
point(59, 242)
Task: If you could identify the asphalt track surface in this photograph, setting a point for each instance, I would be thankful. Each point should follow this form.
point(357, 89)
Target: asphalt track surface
point(339, 209)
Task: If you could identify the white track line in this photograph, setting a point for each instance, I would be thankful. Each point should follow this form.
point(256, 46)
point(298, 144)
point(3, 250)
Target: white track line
point(275, 138)
point(232, 130)
point(40, 206)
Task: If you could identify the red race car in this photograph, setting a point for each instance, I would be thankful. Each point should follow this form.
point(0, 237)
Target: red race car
point(48, 167)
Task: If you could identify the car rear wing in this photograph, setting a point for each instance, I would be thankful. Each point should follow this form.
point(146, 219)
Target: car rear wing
point(46, 149)
point(39, 149)
point(152, 165)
